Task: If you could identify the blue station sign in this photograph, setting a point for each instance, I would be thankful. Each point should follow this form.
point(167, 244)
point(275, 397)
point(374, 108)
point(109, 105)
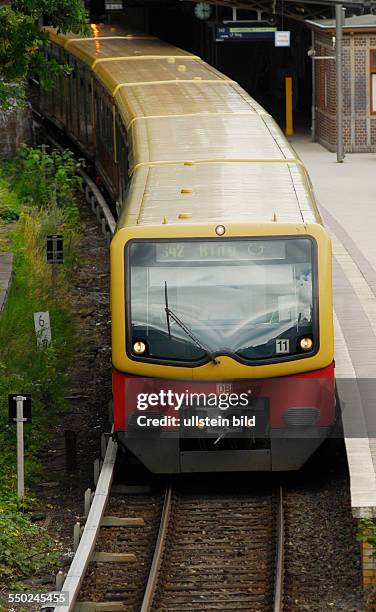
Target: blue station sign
point(239, 33)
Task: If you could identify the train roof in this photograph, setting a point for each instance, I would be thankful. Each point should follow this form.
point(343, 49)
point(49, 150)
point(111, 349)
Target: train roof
point(102, 31)
point(201, 149)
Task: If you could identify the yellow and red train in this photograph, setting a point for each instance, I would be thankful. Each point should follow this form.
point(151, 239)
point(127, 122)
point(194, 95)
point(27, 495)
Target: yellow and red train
point(220, 265)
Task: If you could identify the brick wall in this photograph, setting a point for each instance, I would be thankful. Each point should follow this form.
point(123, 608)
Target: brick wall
point(359, 125)
point(15, 129)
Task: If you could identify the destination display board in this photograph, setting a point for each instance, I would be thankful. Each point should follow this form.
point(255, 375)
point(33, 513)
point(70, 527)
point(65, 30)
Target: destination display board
point(245, 33)
point(113, 5)
point(212, 251)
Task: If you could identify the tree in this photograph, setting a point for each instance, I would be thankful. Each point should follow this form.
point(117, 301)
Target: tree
point(22, 39)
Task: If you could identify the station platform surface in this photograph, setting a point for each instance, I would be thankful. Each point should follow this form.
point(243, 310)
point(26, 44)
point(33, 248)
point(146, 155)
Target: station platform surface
point(347, 200)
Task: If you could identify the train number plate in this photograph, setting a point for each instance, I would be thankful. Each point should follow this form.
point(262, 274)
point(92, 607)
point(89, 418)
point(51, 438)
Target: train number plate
point(282, 345)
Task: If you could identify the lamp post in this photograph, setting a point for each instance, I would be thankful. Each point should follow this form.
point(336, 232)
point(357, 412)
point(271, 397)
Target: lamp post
point(339, 90)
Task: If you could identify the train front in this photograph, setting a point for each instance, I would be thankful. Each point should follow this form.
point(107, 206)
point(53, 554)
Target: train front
point(222, 345)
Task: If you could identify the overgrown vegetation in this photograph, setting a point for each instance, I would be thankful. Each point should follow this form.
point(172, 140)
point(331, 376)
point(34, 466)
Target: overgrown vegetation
point(38, 188)
point(22, 40)
point(367, 532)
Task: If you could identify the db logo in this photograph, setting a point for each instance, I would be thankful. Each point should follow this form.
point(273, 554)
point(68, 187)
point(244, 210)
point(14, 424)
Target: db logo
point(224, 387)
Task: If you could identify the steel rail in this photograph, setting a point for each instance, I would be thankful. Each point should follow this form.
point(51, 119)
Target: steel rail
point(279, 570)
point(98, 205)
point(81, 559)
point(147, 602)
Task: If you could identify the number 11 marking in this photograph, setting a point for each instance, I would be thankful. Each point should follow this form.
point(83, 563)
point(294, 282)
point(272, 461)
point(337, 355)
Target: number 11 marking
point(282, 345)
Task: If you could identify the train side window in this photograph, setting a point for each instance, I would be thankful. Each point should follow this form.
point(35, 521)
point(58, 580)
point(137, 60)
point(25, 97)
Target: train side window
point(122, 159)
point(64, 89)
point(57, 88)
point(109, 128)
point(104, 131)
point(76, 86)
point(71, 92)
point(88, 104)
point(82, 101)
point(100, 117)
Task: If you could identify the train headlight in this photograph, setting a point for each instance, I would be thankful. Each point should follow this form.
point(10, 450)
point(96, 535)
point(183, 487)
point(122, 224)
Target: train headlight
point(139, 347)
point(220, 230)
point(306, 344)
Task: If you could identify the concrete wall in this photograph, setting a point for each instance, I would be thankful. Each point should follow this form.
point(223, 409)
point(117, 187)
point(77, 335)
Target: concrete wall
point(15, 129)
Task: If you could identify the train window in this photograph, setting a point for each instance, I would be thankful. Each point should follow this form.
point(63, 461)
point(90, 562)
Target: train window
point(58, 86)
point(373, 81)
point(251, 299)
point(75, 110)
point(122, 159)
point(104, 131)
point(82, 102)
point(71, 91)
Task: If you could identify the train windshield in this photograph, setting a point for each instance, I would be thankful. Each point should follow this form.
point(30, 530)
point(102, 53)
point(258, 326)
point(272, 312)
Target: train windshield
point(252, 299)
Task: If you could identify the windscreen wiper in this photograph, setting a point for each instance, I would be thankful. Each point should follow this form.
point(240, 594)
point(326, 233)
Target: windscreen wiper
point(170, 313)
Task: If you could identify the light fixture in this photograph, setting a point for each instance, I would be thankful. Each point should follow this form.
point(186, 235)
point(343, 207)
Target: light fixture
point(306, 344)
point(220, 230)
point(139, 347)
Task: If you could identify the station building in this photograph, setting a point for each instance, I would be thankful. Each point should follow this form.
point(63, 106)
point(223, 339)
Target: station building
point(359, 80)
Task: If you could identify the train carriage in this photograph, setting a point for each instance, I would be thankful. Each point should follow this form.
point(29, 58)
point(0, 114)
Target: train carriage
point(220, 265)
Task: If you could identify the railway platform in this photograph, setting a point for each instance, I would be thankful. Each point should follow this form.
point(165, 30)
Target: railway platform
point(345, 193)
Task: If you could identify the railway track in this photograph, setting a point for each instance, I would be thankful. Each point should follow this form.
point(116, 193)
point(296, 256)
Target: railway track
point(116, 577)
point(182, 551)
point(178, 551)
point(218, 552)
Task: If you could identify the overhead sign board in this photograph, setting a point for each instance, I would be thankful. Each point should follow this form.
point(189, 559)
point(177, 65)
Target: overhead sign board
point(239, 33)
point(113, 5)
point(282, 39)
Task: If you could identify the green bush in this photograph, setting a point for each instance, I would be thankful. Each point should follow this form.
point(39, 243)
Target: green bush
point(8, 215)
point(367, 532)
point(24, 547)
point(9, 204)
point(44, 179)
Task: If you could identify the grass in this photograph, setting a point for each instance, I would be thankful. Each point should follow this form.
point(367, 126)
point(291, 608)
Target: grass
point(26, 548)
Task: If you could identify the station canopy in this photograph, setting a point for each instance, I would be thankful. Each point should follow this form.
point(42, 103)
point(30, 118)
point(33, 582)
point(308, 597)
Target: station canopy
point(298, 9)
